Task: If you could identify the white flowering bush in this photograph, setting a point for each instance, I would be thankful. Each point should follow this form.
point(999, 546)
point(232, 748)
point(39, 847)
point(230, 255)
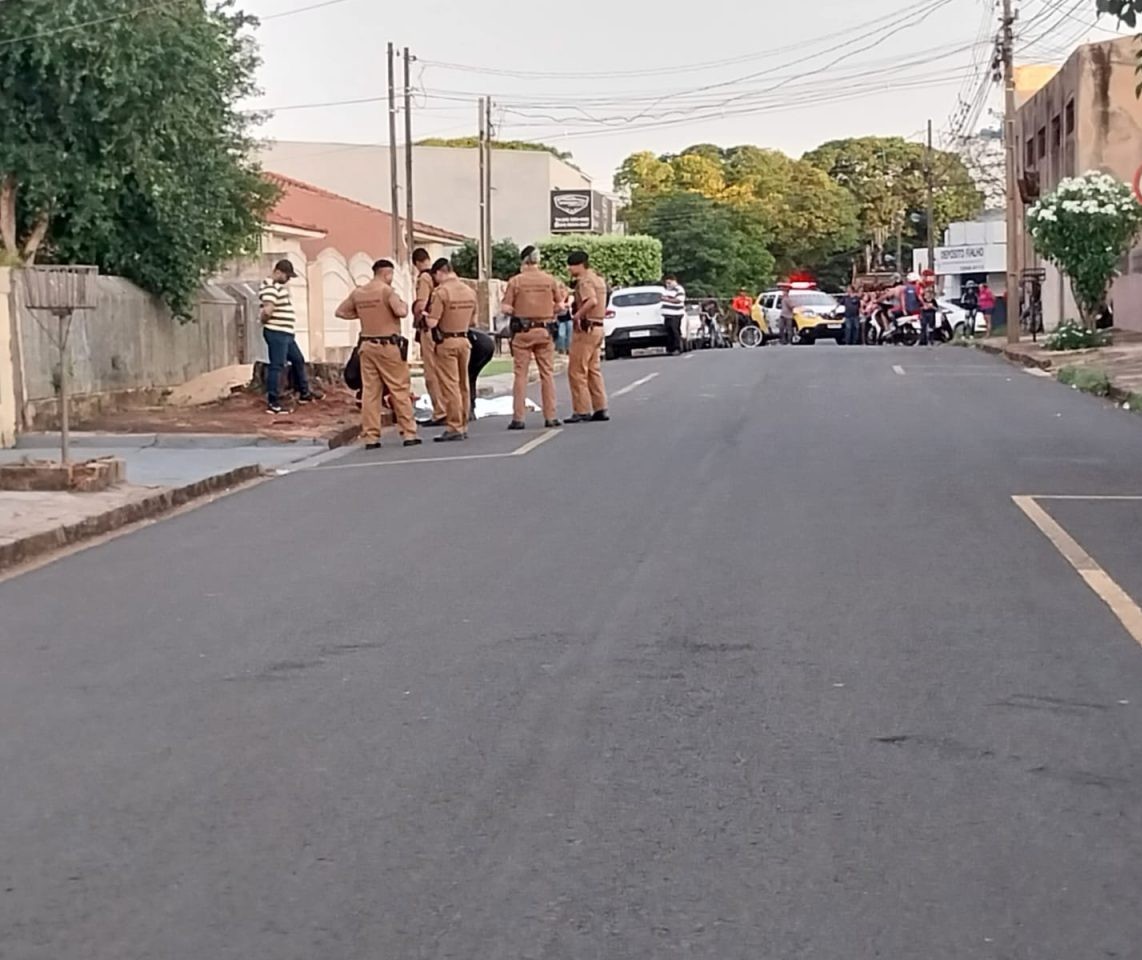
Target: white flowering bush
point(1084, 226)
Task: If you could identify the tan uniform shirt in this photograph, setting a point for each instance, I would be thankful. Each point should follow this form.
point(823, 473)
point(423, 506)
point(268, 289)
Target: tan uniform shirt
point(377, 306)
point(534, 294)
point(453, 306)
point(424, 288)
point(591, 286)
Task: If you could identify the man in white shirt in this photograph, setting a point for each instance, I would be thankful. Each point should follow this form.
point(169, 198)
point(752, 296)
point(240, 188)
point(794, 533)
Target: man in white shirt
point(673, 311)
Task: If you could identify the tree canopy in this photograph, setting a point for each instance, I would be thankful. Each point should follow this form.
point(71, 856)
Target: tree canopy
point(712, 246)
point(802, 215)
point(887, 178)
point(121, 144)
point(505, 259)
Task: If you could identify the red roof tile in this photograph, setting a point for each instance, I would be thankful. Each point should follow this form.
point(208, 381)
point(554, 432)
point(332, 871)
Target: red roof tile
point(350, 227)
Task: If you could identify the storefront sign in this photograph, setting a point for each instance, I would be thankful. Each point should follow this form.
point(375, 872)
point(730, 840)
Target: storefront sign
point(961, 259)
point(571, 211)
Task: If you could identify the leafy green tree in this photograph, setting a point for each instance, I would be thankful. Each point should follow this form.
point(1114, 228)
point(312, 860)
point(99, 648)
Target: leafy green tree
point(712, 246)
point(121, 143)
point(505, 259)
point(804, 216)
point(1126, 11)
point(1085, 226)
point(887, 178)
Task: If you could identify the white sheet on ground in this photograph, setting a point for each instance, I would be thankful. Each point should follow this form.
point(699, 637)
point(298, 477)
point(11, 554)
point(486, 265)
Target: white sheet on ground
point(485, 406)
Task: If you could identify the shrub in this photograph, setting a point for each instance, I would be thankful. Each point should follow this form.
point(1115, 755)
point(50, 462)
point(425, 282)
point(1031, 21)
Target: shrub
point(1072, 336)
point(1087, 379)
point(621, 261)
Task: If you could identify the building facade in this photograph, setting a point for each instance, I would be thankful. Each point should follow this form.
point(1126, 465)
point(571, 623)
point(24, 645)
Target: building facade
point(971, 250)
point(1086, 116)
point(446, 184)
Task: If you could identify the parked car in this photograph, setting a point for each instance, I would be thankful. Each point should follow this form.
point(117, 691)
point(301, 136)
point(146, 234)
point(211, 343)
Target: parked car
point(817, 314)
point(634, 321)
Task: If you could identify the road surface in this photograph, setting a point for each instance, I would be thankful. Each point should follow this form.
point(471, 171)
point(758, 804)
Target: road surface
point(771, 666)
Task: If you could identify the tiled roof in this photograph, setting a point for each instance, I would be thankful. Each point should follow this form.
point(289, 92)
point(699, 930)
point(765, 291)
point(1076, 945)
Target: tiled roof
point(350, 226)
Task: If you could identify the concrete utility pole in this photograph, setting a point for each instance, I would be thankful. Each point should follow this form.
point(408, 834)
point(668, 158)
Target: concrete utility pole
point(488, 181)
point(1007, 50)
point(928, 178)
point(410, 235)
point(482, 271)
point(394, 199)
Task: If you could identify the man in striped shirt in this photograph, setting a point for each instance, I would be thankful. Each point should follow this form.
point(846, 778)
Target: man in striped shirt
point(278, 322)
point(673, 311)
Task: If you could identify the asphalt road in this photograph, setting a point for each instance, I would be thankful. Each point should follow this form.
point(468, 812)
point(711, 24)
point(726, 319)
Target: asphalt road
point(769, 667)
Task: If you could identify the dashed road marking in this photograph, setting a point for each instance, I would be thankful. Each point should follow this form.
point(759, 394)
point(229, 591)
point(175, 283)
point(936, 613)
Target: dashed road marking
point(532, 444)
point(1119, 601)
point(623, 391)
point(897, 369)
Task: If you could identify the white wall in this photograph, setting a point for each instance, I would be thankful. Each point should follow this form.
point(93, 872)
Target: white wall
point(445, 183)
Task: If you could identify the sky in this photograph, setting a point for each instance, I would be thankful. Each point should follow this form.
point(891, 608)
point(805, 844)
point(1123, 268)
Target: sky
point(606, 79)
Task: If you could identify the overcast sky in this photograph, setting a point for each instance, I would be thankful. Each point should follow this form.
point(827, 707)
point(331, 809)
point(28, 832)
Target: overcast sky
point(609, 78)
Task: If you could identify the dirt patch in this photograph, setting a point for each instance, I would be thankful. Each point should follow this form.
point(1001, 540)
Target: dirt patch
point(240, 413)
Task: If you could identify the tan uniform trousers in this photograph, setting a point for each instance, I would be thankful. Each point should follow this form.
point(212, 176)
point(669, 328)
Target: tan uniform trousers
point(584, 375)
point(431, 378)
point(381, 365)
point(536, 343)
point(452, 376)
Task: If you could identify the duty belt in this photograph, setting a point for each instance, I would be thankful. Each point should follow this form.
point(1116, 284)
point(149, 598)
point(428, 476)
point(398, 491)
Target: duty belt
point(534, 324)
point(592, 323)
point(447, 336)
point(393, 339)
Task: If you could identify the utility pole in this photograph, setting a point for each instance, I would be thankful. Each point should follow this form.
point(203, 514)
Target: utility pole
point(482, 272)
point(931, 225)
point(1007, 50)
point(394, 199)
point(488, 182)
point(410, 236)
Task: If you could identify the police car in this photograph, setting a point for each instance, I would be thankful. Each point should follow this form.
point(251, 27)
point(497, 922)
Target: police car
point(817, 315)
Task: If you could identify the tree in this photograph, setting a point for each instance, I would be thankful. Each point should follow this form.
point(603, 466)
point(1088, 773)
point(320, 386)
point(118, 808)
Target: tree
point(713, 247)
point(1085, 226)
point(887, 178)
point(984, 160)
point(505, 259)
point(469, 143)
point(1125, 11)
point(802, 214)
point(121, 143)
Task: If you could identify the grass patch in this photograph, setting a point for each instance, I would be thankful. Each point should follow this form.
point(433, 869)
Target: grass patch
point(1088, 379)
point(497, 365)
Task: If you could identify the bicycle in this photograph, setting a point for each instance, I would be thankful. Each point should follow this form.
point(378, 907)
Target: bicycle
point(1031, 302)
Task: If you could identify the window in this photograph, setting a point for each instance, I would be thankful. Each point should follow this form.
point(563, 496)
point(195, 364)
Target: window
point(1030, 157)
point(643, 298)
point(1056, 136)
point(812, 299)
point(1070, 117)
point(1042, 138)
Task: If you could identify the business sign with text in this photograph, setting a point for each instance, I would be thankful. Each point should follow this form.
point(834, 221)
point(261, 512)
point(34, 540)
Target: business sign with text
point(969, 258)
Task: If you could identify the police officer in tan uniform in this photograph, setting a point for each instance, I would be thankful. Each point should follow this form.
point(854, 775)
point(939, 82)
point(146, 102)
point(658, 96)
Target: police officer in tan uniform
point(532, 299)
point(424, 284)
point(383, 352)
point(453, 309)
point(584, 375)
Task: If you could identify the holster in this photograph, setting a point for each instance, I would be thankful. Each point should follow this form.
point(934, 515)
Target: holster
point(584, 325)
point(515, 325)
point(437, 335)
point(402, 343)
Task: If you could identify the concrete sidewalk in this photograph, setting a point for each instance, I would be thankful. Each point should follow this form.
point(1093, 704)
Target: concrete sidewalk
point(164, 471)
point(1121, 361)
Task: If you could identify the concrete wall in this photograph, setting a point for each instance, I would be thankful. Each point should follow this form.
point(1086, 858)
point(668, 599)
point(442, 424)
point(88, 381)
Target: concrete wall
point(128, 344)
point(445, 183)
point(1097, 83)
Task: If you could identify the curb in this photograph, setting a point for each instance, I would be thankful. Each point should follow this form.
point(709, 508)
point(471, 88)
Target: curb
point(29, 548)
point(1012, 356)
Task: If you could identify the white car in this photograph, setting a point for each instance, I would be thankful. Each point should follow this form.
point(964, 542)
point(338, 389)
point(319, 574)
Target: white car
point(634, 321)
point(958, 318)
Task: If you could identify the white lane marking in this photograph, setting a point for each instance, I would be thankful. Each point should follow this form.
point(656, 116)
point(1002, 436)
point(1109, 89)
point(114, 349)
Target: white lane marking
point(1079, 496)
point(634, 386)
point(688, 356)
point(897, 369)
point(1119, 601)
point(532, 444)
point(519, 452)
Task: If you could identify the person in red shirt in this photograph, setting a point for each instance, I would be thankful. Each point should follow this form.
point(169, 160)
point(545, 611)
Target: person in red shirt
point(742, 306)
